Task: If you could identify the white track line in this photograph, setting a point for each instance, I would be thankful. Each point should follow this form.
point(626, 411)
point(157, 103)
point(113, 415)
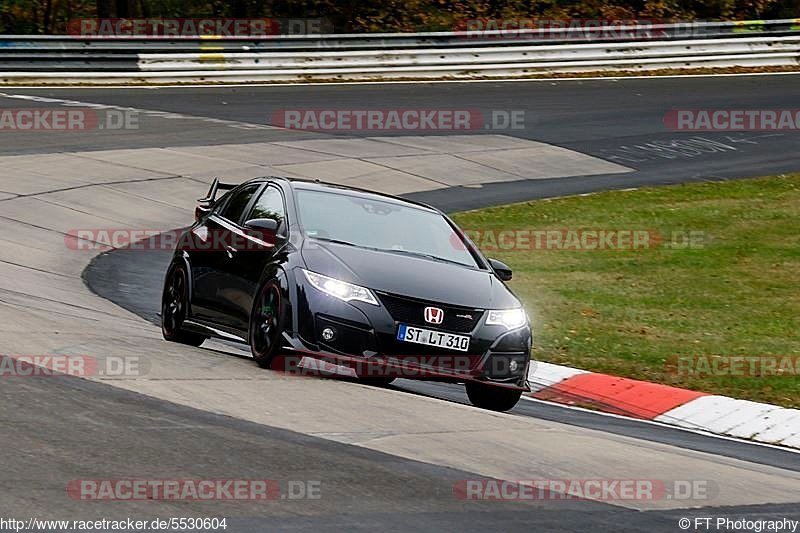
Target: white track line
point(399, 82)
point(147, 112)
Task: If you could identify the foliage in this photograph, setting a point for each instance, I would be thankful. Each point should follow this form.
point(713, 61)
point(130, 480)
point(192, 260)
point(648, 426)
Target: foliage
point(52, 16)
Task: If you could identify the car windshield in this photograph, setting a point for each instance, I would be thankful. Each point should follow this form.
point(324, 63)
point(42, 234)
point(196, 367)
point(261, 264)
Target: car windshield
point(386, 226)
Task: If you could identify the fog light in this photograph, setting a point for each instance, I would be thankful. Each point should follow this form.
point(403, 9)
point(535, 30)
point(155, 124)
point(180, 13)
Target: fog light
point(328, 334)
point(513, 366)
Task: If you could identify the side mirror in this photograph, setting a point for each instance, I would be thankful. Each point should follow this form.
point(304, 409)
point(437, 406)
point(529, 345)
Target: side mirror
point(265, 228)
point(263, 224)
point(501, 269)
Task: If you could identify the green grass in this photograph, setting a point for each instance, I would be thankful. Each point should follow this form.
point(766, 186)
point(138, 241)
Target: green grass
point(628, 312)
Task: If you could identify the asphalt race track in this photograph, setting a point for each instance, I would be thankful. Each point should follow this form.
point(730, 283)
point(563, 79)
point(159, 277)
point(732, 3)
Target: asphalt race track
point(385, 458)
point(617, 120)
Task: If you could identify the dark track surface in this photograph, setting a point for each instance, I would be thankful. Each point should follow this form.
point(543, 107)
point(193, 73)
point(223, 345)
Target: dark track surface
point(360, 489)
point(619, 120)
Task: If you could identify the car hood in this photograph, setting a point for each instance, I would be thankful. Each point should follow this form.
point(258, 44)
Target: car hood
point(411, 276)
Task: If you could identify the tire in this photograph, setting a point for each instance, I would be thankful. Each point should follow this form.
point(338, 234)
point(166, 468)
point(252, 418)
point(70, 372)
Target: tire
point(492, 397)
point(267, 321)
point(174, 308)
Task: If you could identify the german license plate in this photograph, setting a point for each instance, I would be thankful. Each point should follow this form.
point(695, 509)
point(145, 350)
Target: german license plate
point(430, 337)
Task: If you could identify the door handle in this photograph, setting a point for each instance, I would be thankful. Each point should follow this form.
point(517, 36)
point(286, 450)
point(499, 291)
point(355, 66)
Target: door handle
point(230, 250)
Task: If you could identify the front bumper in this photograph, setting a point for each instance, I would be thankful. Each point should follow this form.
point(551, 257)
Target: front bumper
point(365, 341)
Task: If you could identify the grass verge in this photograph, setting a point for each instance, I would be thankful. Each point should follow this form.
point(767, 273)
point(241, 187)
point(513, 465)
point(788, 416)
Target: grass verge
point(715, 276)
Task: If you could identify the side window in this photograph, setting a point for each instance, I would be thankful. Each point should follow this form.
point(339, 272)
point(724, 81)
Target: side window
point(270, 205)
point(234, 207)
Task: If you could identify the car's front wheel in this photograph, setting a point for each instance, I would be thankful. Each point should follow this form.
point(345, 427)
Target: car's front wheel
point(266, 323)
point(175, 307)
point(491, 397)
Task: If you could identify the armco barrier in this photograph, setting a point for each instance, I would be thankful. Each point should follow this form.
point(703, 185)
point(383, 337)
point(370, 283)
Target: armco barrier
point(456, 55)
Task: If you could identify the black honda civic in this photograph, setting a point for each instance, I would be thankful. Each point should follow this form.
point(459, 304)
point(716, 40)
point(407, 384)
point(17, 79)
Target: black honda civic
point(323, 278)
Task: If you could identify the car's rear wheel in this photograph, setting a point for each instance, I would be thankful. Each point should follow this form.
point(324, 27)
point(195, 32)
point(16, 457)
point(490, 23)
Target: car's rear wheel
point(492, 397)
point(175, 307)
point(266, 323)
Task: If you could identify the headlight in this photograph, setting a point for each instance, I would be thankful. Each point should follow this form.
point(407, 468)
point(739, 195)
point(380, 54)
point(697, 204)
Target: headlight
point(510, 318)
point(340, 289)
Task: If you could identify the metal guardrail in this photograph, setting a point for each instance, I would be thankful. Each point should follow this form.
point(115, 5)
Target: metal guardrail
point(103, 60)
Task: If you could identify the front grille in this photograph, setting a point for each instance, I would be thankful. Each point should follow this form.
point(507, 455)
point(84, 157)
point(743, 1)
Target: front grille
point(410, 311)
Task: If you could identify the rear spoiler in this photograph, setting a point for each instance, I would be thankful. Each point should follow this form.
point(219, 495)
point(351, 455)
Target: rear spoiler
point(204, 204)
point(211, 197)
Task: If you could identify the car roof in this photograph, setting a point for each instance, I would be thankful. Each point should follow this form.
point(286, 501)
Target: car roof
point(317, 185)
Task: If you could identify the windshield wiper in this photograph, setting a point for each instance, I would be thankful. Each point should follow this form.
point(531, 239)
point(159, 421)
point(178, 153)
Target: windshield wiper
point(336, 241)
point(345, 243)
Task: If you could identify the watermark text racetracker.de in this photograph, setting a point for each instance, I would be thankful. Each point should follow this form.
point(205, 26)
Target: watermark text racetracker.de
point(734, 365)
point(583, 239)
point(566, 29)
point(598, 489)
point(84, 366)
point(396, 365)
point(732, 119)
point(201, 239)
point(69, 119)
point(138, 489)
point(196, 27)
point(399, 119)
